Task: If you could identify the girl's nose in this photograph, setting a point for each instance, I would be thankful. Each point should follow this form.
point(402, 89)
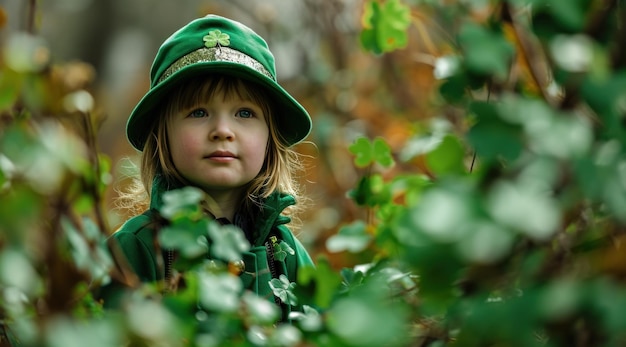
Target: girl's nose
point(221, 130)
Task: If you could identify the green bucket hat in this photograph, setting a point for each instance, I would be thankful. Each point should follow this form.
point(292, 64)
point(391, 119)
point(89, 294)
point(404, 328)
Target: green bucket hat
point(215, 44)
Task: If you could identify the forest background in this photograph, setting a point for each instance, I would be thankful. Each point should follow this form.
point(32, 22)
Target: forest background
point(467, 176)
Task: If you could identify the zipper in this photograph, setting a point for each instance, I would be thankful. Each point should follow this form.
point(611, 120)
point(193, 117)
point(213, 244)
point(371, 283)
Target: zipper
point(269, 247)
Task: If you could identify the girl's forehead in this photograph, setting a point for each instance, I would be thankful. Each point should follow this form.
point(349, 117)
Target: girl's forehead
point(229, 88)
point(201, 89)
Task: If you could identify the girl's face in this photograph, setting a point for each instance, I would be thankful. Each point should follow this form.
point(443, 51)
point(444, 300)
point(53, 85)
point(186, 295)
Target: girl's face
point(219, 144)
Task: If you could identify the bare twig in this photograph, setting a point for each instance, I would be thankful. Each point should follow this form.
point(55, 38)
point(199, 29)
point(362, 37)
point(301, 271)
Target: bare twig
point(92, 148)
point(525, 51)
point(32, 12)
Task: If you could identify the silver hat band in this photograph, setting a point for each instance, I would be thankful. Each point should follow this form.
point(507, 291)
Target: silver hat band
point(213, 54)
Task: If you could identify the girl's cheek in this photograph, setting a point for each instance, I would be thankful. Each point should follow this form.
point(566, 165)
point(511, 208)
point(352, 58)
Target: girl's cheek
point(190, 143)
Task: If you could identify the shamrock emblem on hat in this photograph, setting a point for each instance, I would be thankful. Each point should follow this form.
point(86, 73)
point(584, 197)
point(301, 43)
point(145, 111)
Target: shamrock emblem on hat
point(216, 38)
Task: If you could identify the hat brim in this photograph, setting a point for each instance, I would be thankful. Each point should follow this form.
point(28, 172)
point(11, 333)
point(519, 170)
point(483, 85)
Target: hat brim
point(293, 121)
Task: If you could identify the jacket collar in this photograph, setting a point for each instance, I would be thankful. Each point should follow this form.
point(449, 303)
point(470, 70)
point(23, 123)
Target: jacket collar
point(159, 186)
point(267, 217)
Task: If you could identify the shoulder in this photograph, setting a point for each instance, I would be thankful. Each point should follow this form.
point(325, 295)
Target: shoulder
point(135, 239)
point(137, 222)
point(137, 231)
point(137, 225)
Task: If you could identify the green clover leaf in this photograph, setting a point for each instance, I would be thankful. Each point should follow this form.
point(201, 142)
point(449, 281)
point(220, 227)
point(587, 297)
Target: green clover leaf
point(281, 250)
point(228, 241)
point(486, 52)
point(385, 26)
point(182, 203)
point(371, 191)
point(353, 238)
point(283, 289)
point(324, 279)
point(367, 152)
point(259, 310)
point(187, 237)
point(216, 37)
point(219, 292)
point(309, 319)
point(361, 148)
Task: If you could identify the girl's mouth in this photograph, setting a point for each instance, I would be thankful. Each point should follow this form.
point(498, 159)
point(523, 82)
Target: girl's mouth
point(221, 156)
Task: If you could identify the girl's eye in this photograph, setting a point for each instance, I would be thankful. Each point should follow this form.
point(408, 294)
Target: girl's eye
point(198, 113)
point(245, 113)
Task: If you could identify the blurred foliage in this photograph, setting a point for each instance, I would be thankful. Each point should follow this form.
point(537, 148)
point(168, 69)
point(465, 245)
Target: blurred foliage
point(500, 222)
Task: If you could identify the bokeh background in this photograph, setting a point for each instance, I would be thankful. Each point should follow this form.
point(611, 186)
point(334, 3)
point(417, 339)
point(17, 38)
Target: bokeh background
point(109, 45)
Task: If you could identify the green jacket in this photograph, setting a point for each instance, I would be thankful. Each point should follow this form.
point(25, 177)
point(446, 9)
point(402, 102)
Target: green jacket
point(136, 240)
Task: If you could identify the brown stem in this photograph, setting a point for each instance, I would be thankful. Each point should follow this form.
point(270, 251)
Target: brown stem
point(525, 50)
point(369, 210)
point(618, 55)
point(597, 20)
point(32, 11)
point(90, 139)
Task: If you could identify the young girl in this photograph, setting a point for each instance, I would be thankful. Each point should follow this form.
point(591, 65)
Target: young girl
point(215, 118)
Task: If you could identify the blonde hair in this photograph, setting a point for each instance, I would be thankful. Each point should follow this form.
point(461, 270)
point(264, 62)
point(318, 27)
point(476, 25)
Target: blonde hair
point(279, 168)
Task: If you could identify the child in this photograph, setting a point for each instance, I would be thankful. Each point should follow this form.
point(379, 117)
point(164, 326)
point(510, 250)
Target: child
point(215, 118)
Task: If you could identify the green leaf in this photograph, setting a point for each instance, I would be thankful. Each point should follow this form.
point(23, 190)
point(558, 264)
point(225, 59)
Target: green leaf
point(554, 16)
point(323, 278)
point(227, 241)
point(219, 292)
point(20, 213)
point(215, 38)
point(411, 186)
point(448, 157)
point(454, 88)
point(351, 278)
point(419, 145)
point(309, 319)
point(488, 242)
point(66, 332)
point(48, 148)
point(607, 97)
point(493, 138)
point(371, 191)
point(366, 318)
point(382, 152)
point(353, 238)
point(7, 169)
point(367, 152)
point(179, 203)
point(385, 26)
point(259, 310)
point(368, 40)
point(283, 289)
point(10, 85)
point(285, 335)
point(281, 250)
point(186, 236)
point(362, 150)
point(186, 298)
point(510, 203)
point(608, 297)
point(105, 178)
point(439, 267)
point(95, 260)
point(17, 272)
point(486, 52)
